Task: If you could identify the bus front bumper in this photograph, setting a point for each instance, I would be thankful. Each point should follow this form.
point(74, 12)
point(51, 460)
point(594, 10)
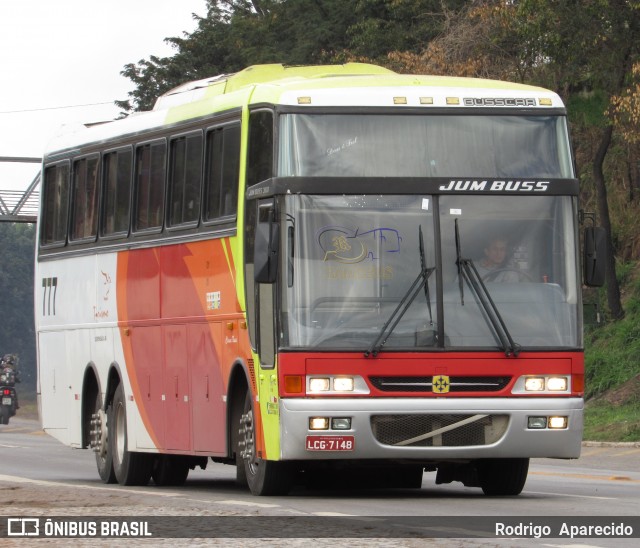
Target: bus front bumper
point(433, 429)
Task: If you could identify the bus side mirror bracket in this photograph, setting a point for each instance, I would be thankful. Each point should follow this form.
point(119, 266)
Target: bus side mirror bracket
point(594, 256)
point(266, 251)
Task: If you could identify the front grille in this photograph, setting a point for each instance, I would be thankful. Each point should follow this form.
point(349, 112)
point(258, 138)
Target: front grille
point(425, 384)
point(441, 430)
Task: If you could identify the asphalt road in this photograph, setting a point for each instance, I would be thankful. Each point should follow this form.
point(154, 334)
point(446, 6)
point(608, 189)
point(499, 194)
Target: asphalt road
point(604, 482)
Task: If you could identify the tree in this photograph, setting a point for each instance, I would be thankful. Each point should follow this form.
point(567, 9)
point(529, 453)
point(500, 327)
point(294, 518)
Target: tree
point(238, 33)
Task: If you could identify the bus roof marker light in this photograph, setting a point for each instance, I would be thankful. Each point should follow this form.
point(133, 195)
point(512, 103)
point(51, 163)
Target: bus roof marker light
point(304, 100)
point(399, 100)
point(545, 102)
point(453, 100)
point(426, 100)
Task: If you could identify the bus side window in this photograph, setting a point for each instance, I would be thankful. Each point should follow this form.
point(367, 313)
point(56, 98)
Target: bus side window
point(185, 178)
point(149, 185)
point(116, 184)
point(84, 199)
point(55, 204)
point(222, 171)
point(260, 155)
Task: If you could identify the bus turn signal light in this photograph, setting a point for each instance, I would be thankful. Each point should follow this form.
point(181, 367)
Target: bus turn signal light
point(293, 384)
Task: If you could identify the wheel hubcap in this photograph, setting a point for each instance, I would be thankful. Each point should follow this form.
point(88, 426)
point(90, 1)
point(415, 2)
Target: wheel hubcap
point(246, 442)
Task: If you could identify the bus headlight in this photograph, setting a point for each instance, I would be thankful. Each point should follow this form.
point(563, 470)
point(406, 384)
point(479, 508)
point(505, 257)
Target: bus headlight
point(335, 385)
point(319, 384)
point(557, 384)
point(343, 384)
point(542, 384)
point(534, 384)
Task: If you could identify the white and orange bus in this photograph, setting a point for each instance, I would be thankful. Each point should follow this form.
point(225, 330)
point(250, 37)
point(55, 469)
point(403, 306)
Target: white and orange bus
point(289, 270)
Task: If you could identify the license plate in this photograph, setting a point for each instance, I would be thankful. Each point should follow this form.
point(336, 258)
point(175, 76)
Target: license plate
point(330, 443)
point(6, 401)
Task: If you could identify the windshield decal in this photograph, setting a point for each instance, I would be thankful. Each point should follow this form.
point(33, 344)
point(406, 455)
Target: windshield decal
point(349, 246)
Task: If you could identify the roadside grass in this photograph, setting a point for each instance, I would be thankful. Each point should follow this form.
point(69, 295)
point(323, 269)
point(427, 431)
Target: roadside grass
point(606, 422)
point(612, 367)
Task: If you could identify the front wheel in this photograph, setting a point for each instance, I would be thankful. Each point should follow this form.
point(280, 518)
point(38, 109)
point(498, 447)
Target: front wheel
point(264, 477)
point(502, 477)
point(130, 468)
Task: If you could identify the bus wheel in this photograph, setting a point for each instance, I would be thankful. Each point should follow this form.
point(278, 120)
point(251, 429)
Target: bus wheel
point(130, 468)
point(170, 470)
point(502, 477)
point(264, 477)
point(100, 443)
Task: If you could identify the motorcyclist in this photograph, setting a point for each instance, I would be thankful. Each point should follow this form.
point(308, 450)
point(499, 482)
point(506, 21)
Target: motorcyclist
point(9, 372)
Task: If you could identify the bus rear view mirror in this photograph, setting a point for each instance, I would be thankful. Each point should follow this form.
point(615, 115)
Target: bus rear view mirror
point(594, 256)
point(265, 257)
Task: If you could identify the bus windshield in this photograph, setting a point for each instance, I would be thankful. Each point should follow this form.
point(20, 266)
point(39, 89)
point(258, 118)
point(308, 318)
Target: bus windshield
point(350, 260)
point(425, 145)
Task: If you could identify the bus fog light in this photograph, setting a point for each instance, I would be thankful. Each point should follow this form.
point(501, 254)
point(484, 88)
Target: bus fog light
point(318, 423)
point(558, 423)
point(537, 423)
point(341, 423)
point(319, 384)
point(557, 384)
point(534, 384)
point(343, 384)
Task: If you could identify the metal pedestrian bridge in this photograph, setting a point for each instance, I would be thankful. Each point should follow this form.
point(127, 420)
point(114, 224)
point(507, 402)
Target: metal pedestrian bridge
point(18, 206)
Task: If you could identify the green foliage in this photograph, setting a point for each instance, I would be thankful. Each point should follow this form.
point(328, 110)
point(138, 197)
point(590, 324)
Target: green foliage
point(588, 109)
point(236, 34)
point(612, 351)
point(17, 335)
point(604, 422)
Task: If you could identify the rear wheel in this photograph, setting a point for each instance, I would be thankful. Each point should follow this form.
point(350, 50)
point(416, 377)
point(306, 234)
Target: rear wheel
point(100, 443)
point(264, 477)
point(170, 470)
point(130, 468)
point(502, 477)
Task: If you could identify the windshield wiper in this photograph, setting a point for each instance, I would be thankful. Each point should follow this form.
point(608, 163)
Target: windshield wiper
point(467, 270)
point(420, 282)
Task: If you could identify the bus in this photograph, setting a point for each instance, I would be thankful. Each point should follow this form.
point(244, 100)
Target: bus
point(288, 270)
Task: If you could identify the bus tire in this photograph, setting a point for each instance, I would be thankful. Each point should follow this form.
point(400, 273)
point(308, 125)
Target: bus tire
point(170, 470)
point(502, 477)
point(104, 460)
point(130, 468)
point(264, 477)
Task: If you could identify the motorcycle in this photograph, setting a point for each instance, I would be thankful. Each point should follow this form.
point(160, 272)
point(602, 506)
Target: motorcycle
point(9, 399)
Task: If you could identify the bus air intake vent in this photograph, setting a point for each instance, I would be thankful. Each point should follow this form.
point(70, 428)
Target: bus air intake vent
point(425, 384)
point(438, 430)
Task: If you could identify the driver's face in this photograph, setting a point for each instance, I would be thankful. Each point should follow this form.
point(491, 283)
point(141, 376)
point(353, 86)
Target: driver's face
point(496, 252)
